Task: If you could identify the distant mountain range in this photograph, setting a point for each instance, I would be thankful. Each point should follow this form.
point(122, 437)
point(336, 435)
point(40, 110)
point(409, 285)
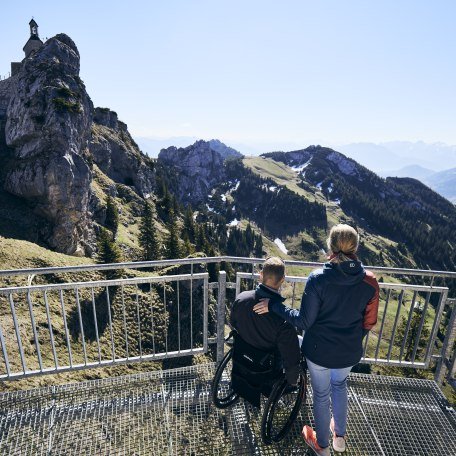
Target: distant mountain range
point(382, 158)
point(443, 182)
point(433, 164)
point(395, 155)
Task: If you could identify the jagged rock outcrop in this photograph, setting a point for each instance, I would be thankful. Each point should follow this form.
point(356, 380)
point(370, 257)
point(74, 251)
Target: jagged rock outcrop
point(48, 128)
point(117, 155)
point(199, 168)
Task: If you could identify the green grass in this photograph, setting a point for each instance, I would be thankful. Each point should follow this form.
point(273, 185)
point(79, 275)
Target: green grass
point(63, 105)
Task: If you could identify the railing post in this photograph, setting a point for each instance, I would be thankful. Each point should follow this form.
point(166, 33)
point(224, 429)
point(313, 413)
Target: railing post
point(447, 357)
point(221, 315)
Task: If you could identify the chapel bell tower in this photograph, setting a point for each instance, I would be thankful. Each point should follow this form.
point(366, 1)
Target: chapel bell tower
point(34, 41)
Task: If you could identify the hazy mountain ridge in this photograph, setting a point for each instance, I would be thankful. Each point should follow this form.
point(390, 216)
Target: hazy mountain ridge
point(443, 182)
point(393, 155)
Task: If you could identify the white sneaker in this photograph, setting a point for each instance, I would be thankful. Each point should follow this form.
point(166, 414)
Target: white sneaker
point(338, 442)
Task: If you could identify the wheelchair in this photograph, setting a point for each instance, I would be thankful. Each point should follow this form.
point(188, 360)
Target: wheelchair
point(248, 372)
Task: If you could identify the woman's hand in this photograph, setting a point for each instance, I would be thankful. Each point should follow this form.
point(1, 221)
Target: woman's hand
point(262, 307)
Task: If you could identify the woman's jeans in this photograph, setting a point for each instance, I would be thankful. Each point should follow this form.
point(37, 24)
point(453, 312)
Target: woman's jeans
point(326, 383)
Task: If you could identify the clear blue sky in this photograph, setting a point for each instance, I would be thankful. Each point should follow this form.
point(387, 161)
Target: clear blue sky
point(258, 70)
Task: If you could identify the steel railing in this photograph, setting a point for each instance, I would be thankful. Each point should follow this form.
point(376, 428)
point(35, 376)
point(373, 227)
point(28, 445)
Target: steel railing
point(40, 322)
point(398, 301)
point(71, 326)
point(31, 272)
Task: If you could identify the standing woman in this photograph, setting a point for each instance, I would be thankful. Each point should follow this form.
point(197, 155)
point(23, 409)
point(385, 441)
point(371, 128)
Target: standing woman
point(338, 308)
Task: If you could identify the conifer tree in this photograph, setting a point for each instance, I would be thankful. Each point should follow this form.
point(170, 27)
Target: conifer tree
point(108, 252)
point(201, 241)
point(172, 243)
point(112, 215)
point(147, 234)
point(188, 247)
point(259, 246)
point(189, 224)
point(166, 203)
point(249, 237)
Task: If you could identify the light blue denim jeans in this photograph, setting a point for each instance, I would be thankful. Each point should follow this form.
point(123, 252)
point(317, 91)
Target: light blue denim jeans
point(326, 384)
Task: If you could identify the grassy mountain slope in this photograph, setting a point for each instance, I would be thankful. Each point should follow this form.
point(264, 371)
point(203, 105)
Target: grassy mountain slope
point(373, 243)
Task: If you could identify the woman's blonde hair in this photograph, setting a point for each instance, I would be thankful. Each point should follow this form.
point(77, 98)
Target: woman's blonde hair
point(343, 241)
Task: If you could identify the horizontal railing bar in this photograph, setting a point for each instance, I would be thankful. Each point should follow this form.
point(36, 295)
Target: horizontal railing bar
point(206, 260)
point(393, 362)
point(103, 363)
point(384, 285)
point(103, 283)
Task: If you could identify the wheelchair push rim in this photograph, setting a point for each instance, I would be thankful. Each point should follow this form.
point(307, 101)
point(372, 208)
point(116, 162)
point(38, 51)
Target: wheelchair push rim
point(222, 393)
point(281, 410)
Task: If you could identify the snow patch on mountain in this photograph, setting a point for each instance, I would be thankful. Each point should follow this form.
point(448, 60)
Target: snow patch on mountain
point(280, 245)
point(301, 168)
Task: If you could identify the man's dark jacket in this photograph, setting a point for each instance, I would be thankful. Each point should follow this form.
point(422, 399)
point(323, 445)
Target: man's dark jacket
point(267, 331)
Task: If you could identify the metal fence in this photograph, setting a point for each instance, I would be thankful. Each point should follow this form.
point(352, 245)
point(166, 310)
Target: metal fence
point(407, 324)
point(69, 325)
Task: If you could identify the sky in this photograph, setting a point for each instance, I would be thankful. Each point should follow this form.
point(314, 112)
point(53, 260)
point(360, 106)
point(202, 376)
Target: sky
point(271, 72)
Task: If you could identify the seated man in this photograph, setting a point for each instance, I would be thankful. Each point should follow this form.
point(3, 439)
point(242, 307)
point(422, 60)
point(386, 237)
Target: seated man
point(268, 332)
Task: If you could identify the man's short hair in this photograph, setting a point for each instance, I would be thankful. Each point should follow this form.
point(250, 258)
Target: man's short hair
point(273, 269)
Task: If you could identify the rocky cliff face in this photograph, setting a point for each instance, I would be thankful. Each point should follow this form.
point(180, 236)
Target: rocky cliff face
point(117, 155)
point(199, 168)
point(48, 128)
point(54, 136)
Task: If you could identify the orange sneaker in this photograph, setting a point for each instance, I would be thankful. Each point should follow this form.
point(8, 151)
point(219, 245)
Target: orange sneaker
point(310, 437)
point(338, 442)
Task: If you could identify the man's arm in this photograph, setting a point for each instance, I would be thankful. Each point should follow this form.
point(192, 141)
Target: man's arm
point(305, 317)
point(288, 345)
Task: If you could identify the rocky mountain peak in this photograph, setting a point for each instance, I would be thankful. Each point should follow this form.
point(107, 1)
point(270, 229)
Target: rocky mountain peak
point(223, 149)
point(48, 128)
point(200, 167)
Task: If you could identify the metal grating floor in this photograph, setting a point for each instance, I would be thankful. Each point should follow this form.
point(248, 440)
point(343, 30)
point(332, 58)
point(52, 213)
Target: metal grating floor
point(170, 413)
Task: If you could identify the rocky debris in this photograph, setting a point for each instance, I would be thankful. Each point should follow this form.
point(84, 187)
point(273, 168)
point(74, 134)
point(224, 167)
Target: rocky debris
point(117, 155)
point(199, 168)
point(48, 128)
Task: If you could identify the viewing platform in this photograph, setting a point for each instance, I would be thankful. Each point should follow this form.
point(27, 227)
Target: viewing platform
point(165, 312)
point(170, 412)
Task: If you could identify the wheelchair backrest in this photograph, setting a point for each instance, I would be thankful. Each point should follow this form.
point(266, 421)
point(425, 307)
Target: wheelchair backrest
point(254, 371)
point(255, 360)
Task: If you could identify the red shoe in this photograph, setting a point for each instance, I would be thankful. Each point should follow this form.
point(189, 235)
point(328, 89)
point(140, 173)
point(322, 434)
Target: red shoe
point(310, 437)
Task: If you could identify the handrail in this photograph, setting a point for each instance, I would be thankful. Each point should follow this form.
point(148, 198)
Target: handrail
point(207, 260)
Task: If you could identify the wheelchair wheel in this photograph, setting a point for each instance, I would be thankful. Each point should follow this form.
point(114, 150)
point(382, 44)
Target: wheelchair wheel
point(222, 393)
point(282, 409)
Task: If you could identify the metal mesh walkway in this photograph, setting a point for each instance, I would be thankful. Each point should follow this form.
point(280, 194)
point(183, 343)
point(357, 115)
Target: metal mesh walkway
point(170, 413)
